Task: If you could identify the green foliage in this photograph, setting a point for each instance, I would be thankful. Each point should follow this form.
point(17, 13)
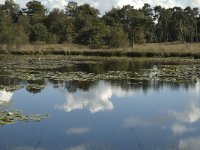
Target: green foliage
point(176, 24)
point(11, 34)
point(88, 27)
point(117, 38)
point(24, 21)
point(71, 9)
point(139, 35)
point(36, 8)
point(11, 9)
point(132, 19)
point(38, 33)
point(20, 37)
point(82, 24)
point(36, 12)
point(52, 38)
point(59, 25)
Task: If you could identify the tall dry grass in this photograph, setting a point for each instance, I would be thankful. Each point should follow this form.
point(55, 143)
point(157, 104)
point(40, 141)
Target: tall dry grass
point(143, 50)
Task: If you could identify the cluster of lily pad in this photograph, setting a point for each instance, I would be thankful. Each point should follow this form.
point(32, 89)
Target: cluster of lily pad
point(173, 73)
point(11, 87)
point(38, 69)
point(39, 62)
point(8, 116)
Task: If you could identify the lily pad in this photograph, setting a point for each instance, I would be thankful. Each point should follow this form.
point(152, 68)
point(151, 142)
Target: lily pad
point(8, 116)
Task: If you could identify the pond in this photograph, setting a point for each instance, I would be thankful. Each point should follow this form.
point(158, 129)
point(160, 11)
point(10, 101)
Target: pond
point(92, 103)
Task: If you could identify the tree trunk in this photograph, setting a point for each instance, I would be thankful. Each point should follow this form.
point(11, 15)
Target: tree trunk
point(166, 31)
point(133, 42)
point(196, 31)
point(181, 29)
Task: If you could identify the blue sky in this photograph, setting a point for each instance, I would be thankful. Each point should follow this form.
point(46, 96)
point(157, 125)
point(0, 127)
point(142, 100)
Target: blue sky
point(105, 5)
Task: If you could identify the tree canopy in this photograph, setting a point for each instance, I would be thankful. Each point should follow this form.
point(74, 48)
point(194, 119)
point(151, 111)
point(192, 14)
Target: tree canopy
point(83, 24)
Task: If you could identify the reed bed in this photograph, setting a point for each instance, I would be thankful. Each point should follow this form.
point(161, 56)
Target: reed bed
point(143, 50)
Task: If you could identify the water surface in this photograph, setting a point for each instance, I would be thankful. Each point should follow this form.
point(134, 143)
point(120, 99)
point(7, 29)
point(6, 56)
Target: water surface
point(107, 114)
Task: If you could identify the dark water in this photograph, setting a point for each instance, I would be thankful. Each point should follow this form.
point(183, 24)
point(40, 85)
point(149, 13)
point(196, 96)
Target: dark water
point(104, 115)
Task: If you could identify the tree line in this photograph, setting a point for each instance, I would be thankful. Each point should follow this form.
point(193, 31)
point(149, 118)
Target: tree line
point(83, 24)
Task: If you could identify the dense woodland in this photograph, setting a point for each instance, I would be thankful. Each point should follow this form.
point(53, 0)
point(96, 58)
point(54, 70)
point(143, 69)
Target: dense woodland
point(84, 25)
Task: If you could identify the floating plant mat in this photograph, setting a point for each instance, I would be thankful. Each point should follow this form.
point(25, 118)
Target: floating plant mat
point(175, 73)
point(36, 68)
point(54, 62)
point(9, 116)
point(171, 73)
point(41, 62)
point(11, 87)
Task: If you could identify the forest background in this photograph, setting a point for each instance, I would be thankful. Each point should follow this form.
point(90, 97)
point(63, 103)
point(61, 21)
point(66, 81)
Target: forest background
point(83, 25)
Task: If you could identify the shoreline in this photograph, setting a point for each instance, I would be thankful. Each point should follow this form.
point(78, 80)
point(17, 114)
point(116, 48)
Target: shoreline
point(139, 50)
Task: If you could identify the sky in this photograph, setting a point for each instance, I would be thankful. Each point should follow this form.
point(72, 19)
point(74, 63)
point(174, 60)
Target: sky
point(106, 5)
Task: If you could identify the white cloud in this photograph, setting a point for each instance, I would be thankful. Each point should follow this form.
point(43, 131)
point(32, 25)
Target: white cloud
point(97, 99)
point(194, 3)
point(50, 4)
point(5, 96)
point(77, 131)
point(106, 5)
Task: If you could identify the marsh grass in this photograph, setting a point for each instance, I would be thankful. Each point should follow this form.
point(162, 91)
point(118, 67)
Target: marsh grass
point(143, 50)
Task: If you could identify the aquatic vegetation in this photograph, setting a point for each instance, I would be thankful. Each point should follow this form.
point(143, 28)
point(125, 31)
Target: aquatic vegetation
point(32, 71)
point(34, 88)
point(173, 73)
point(9, 116)
point(176, 73)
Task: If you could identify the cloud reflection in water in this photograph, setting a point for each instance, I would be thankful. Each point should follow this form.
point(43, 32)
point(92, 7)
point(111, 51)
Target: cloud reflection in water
point(182, 121)
point(77, 131)
point(131, 122)
point(97, 99)
point(80, 147)
point(190, 115)
point(5, 96)
point(180, 129)
point(90, 146)
point(190, 144)
point(195, 89)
